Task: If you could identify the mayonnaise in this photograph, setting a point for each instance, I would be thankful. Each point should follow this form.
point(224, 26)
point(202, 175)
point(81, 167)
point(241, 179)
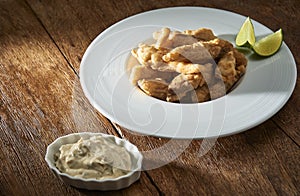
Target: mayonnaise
point(96, 157)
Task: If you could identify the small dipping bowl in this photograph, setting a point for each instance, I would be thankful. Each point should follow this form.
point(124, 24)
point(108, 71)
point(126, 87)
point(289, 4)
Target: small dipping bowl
point(91, 183)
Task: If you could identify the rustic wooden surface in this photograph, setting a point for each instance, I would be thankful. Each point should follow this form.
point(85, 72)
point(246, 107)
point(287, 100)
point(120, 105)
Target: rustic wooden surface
point(41, 46)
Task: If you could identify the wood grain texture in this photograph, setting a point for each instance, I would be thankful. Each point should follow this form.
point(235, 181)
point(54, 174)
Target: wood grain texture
point(41, 46)
point(41, 99)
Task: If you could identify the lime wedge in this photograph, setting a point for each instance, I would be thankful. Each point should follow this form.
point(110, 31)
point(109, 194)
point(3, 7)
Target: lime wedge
point(269, 45)
point(246, 34)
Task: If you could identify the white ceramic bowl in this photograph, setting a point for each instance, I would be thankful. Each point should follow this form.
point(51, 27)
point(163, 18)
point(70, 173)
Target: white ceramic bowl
point(93, 184)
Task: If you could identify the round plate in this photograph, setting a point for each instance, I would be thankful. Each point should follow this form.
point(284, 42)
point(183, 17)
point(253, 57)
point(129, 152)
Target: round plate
point(265, 88)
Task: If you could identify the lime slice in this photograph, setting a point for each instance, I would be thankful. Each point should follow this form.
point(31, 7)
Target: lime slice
point(246, 34)
point(269, 45)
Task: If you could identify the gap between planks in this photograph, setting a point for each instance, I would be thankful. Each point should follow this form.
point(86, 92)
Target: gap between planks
point(52, 39)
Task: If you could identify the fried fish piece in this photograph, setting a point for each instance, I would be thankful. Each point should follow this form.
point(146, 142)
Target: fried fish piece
point(162, 38)
point(157, 88)
point(208, 74)
point(182, 84)
point(180, 39)
point(241, 69)
point(189, 68)
point(208, 92)
point(143, 53)
point(186, 68)
point(185, 81)
point(241, 62)
point(139, 72)
point(240, 57)
point(165, 38)
point(217, 89)
point(202, 34)
point(173, 97)
point(226, 69)
point(213, 49)
point(195, 53)
point(199, 52)
point(148, 55)
point(217, 47)
point(206, 70)
point(201, 94)
point(158, 64)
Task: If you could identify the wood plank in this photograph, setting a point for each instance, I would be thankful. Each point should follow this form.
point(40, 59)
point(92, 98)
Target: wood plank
point(289, 116)
point(280, 154)
point(83, 20)
point(40, 100)
point(259, 161)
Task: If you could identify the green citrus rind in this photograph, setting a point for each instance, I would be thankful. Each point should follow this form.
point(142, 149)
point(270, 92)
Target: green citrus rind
point(269, 45)
point(246, 35)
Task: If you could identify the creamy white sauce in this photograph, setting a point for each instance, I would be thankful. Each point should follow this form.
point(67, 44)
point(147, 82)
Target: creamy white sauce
point(96, 157)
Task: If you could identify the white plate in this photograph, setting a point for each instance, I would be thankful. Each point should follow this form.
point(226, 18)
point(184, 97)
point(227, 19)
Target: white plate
point(265, 88)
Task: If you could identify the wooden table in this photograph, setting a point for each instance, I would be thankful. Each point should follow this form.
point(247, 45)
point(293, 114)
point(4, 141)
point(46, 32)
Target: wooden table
point(41, 46)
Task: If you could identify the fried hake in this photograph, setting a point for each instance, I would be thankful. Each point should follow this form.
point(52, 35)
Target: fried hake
point(157, 88)
point(189, 66)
